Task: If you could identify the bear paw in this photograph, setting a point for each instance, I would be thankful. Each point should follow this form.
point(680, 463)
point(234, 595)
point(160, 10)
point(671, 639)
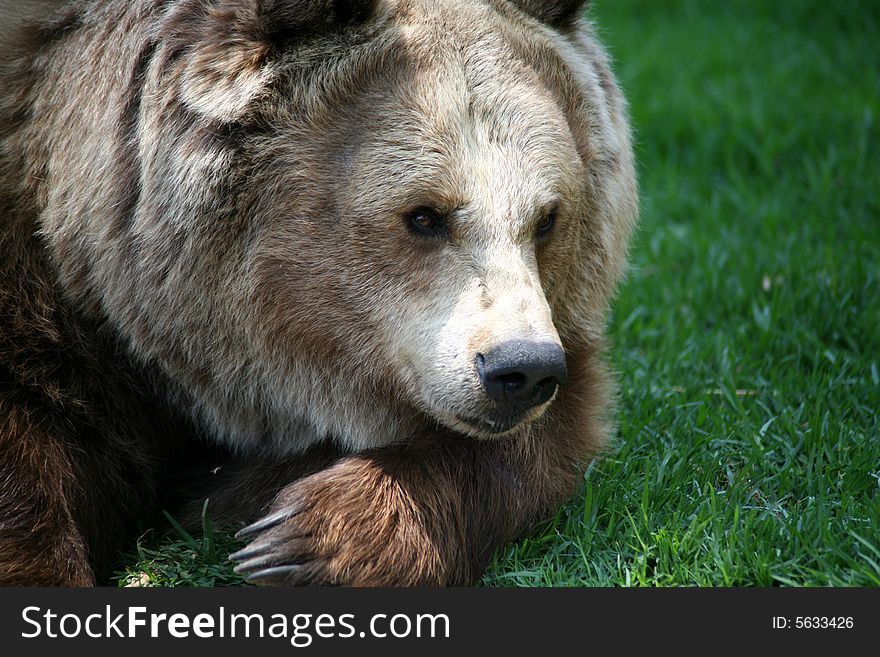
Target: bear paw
point(352, 524)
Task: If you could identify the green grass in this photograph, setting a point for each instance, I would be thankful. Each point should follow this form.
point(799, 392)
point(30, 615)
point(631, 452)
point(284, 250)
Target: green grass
point(747, 336)
point(177, 558)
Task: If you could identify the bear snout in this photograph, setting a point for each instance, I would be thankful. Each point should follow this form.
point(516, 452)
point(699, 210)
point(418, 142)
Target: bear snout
point(521, 374)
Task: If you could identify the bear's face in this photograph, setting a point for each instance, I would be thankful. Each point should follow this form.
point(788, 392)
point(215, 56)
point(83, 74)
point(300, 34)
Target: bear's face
point(464, 193)
point(360, 219)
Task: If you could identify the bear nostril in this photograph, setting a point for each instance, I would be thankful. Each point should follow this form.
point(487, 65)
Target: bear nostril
point(546, 383)
point(546, 388)
point(511, 382)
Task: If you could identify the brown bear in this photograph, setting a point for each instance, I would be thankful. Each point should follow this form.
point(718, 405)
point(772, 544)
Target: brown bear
point(363, 250)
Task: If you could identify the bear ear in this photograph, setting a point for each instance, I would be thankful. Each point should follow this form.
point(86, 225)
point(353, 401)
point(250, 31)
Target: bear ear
point(560, 14)
point(231, 44)
point(276, 21)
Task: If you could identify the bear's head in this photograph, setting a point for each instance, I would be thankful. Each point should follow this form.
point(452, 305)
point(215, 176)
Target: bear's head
point(356, 219)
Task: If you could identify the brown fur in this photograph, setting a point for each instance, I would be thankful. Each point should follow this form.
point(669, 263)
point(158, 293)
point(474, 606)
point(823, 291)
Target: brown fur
point(202, 244)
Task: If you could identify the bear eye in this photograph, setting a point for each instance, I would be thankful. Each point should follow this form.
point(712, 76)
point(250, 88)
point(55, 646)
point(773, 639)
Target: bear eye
point(547, 224)
point(426, 222)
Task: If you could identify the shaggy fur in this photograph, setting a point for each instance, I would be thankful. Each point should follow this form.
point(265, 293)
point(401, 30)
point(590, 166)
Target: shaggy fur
point(205, 241)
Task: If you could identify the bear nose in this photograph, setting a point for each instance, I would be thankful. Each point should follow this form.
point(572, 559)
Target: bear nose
point(522, 374)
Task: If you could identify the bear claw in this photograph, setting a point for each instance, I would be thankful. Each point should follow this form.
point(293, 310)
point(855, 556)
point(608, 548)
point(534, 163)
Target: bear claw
point(267, 523)
point(290, 575)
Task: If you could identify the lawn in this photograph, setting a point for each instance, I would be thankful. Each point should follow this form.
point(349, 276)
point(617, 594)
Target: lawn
point(747, 336)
